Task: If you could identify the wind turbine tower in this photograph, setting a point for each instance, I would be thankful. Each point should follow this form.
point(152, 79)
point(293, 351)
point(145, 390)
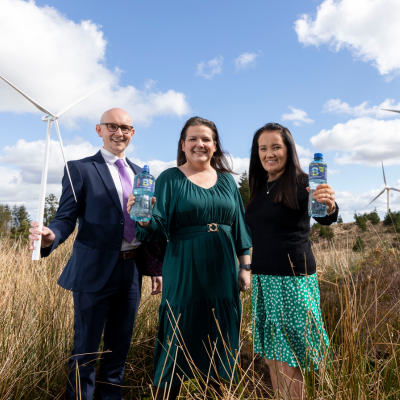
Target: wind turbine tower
point(49, 118)
point(387, 188)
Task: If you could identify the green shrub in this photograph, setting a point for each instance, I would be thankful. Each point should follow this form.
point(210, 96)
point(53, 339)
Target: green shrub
point(392, 219)
point(373, 217)
point(321, 231)
point(360, 221)
point(326, 232)
point(340, 220)
point(359, 245)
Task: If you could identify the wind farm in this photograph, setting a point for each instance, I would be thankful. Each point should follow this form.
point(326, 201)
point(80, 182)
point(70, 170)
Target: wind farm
point(49, 117)
point(386, 188)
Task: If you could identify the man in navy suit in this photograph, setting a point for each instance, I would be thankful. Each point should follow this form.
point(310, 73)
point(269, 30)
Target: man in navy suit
point(104, 270)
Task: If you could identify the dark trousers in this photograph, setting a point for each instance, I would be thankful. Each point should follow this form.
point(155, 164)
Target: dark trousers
point(113, 309)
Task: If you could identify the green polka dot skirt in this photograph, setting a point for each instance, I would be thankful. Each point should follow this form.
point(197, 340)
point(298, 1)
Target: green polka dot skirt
point(287, 322)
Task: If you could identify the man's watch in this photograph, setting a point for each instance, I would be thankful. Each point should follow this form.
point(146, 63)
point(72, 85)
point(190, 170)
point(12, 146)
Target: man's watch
point(247, 267)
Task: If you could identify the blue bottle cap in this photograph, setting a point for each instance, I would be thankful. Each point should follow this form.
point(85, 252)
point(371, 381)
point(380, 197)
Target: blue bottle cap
point(146, 168)
point(318, 155)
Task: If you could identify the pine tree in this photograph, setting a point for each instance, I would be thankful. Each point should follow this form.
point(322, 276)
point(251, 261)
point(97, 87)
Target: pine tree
point(50, 209)
point(21, 222)
point(340, 220)
point(244, 188)
point(5, 218)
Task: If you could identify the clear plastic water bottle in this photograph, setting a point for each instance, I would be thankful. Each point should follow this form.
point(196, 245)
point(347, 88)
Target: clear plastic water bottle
point(143, 190)
point(318, 174)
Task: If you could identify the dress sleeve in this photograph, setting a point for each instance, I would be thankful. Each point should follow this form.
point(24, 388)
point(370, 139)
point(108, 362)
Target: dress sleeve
point(162, 211)
point(240, 230)
point(329, 219)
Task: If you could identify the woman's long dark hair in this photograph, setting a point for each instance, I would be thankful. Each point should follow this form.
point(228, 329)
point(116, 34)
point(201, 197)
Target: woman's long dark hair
point(220, 160)
point(286, 187)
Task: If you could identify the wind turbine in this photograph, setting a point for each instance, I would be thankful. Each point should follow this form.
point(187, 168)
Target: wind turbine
point(388, 188)
point(384, 109)
point(49, 118)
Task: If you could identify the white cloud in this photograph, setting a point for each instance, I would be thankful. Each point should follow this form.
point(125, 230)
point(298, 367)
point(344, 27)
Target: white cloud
point(353, 201)
point(56, 61)
point(305, 157)
point(303, 152)
point(28, 157)
point(362, 141)
point(21, 168)
point(299, 117)
point(20, 173)
point(210, 68)
point(246, 60)
point(369, 29)
point(336, 106)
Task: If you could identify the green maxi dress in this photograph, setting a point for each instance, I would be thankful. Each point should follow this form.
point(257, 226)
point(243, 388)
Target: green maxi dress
point(200, 292)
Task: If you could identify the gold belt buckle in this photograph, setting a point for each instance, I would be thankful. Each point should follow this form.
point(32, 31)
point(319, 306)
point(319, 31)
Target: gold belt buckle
point(213, 227)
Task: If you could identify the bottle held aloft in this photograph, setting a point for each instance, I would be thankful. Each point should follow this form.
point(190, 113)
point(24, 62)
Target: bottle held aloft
point(318, 175)
point(143, 190)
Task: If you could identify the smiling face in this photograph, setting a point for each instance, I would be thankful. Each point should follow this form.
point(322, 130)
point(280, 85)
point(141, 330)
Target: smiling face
point(115, 142)
point(199, 145)
point(273, 153)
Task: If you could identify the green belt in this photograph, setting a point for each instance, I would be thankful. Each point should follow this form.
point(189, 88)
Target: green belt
point(202, 228)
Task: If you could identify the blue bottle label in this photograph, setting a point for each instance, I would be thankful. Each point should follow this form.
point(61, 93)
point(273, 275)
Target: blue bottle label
point(318, 172)
point(144, 183)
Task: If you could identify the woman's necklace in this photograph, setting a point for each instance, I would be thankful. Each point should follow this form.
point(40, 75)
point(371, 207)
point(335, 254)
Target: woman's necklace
point(276, 180)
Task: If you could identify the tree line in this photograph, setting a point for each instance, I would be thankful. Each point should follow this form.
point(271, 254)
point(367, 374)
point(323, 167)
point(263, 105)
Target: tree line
point(15, 221)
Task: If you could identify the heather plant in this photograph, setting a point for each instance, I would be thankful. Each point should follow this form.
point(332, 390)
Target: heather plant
point(358, 244)
point(360, 293)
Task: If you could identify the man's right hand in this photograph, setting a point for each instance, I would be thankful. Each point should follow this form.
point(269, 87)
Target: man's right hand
point(131, 202)
point(47, 235)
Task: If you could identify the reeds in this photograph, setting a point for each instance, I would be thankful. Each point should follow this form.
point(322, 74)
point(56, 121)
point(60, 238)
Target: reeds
point(360, 295)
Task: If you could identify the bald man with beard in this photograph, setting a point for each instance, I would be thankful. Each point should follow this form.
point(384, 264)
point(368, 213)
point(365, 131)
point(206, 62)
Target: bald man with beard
point(105, 270)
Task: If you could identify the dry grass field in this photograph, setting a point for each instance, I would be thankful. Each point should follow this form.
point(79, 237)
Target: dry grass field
point(360, 294)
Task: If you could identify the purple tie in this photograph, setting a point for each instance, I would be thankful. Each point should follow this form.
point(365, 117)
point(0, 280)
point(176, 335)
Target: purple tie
point(129, 228)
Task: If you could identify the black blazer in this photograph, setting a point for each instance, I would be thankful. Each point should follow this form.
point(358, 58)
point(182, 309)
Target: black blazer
point(100, 226)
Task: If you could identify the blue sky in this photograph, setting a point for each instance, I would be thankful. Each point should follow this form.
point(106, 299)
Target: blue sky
point(152, 52)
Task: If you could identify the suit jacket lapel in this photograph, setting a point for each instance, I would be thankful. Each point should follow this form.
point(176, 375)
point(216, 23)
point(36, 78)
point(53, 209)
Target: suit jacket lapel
point(105, 174)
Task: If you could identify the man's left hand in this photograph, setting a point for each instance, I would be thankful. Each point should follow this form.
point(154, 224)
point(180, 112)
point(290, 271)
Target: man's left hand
point(156, 284)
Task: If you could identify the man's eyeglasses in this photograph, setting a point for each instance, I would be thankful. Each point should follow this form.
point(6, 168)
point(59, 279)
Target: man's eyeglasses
point(114, 127)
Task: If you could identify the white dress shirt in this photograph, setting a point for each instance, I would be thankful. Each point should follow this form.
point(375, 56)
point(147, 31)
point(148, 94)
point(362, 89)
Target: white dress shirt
point(110, 160)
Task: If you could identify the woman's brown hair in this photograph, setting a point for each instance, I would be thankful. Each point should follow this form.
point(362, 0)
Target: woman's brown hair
point(220, 160)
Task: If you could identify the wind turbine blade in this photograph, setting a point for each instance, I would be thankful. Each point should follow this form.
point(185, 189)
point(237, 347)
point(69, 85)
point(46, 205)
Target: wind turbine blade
point(69, 106)
point(65, 161)
point(384, 177)
point(375, 197)
point(397, 190)
point(28, 98)
point(384, 109)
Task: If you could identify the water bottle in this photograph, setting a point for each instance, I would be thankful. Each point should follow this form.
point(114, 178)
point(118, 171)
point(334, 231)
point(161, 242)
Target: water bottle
point(317, 175)
point(143, 190)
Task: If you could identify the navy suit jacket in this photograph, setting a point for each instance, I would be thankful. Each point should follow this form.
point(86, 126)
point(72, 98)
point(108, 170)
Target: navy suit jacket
point(100, 225)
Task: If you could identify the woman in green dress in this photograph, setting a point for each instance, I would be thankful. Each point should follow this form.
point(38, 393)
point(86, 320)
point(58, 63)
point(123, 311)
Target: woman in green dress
point(287, 323)
point(200, 211)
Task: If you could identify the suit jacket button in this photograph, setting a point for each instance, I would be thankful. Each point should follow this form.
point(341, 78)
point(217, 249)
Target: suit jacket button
point(122, 221)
